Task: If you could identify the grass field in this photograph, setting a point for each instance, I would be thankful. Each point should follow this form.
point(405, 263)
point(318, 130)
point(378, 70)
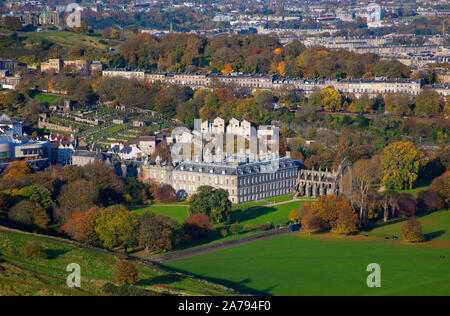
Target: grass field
point(299, 264)
point(277, 214)
point(49, 98)
point(415, 190)
point(22, 276)
point(66, 39)
point(178, 212)
point(435, 227)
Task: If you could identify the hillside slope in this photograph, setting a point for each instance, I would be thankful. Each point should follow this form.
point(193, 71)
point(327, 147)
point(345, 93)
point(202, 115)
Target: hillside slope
point(22, 276)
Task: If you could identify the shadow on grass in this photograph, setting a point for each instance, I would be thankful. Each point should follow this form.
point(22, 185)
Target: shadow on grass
point(242, 216)
point(162, 279)
point(240, 286)
point(55, 253)
point(433, 235)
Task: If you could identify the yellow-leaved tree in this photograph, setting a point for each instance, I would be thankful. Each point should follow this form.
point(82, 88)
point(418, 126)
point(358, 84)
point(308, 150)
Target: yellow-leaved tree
point(401, 162)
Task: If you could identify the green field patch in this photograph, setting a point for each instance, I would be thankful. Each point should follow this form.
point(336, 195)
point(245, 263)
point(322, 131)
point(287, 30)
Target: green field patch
point(277, 214)
point(48, 98)
point(435, 227)
point(298, 264)
point(178, 212)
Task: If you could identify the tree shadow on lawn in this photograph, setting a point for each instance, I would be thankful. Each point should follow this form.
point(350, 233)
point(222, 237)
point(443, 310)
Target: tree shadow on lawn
point(239, 286)
point(433, 235)
point(242, 216)
point(161, 279)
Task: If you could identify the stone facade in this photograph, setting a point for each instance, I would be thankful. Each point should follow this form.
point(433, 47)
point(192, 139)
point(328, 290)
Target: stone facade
point(313, 183)
point(244, 182)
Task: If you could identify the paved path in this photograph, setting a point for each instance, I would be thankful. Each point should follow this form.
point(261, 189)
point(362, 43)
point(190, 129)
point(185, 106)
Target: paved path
point(178, 255)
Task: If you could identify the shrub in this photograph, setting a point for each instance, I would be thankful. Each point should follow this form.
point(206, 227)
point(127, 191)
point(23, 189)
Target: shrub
point(34, 251)
point(412, 230)
point(264, 227)
point(125, 272)
point(236, 228)
point(248, 227)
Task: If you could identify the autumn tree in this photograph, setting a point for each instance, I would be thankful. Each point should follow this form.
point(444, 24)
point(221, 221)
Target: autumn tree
point(159, 233)
point(331, 99)
point(346, 223)
point(117, 227)
point(311, 223)
point(441, 185)
point(429, 201)
point(399, 104)
point(295, 216)
point(326, 209)
point(126, 272)
point(412, 230)
point(165, 193)
point(358, 182)
point(227, 69)
point(85, 227)
point(401, 162)
point(29, 213)
point(16, 169)
point(197, 226)
point(428, 103)
point(404, 205)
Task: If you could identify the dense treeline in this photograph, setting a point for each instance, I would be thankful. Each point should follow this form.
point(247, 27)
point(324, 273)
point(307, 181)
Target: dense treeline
point(252, 54)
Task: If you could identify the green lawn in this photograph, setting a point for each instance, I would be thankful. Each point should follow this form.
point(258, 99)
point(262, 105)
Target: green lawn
point(21, 276)
point(435, 226)
point(247, 205)
point(415, 190)
point(277, 214)
point(178, 212)
point(279, 199)
point(299, 264)
point(49, 98)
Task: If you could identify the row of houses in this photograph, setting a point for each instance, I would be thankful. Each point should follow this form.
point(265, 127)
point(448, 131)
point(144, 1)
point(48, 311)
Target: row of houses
point(82, 66)
point(358, 87)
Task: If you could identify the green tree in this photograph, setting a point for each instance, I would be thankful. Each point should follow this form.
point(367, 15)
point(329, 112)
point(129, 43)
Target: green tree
point(211, 202)
point(38, 194)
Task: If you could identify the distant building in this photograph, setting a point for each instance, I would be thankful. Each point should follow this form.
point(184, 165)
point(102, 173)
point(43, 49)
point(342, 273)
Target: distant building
point(79, 66)
point(13, 147)
point(244, 182)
